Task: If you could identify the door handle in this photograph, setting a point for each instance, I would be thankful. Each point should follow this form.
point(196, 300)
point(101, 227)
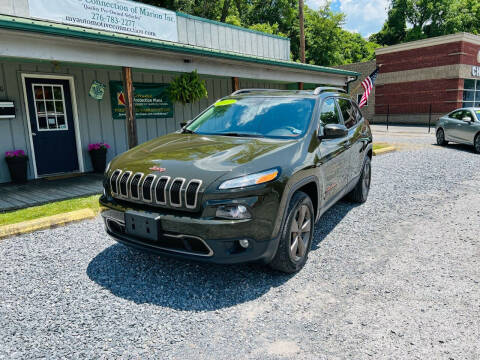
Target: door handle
point(34, 134)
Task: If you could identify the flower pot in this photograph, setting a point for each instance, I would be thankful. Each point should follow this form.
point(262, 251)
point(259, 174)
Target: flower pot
point(99, 160)
point(18, 168)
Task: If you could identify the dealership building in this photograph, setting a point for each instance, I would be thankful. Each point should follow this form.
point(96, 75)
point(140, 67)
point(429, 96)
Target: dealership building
point(64, 64)
point(423, 79)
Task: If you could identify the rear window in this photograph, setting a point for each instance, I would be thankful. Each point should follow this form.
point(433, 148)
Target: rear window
point(477, 112)
point(277, 117)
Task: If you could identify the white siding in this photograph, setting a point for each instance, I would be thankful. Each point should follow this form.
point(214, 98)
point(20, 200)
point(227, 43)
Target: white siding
point(95, 117)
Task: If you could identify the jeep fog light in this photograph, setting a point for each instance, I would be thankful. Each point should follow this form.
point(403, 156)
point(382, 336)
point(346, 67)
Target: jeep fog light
point(244, 243)
point(233, 212)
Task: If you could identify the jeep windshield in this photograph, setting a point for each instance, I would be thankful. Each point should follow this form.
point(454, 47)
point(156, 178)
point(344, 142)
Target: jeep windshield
point(275, 117)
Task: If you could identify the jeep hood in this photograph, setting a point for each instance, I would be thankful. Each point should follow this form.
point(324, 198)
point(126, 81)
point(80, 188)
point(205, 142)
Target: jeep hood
point(205, 157)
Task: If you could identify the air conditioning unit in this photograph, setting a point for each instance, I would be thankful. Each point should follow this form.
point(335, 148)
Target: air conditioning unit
point(7, 110)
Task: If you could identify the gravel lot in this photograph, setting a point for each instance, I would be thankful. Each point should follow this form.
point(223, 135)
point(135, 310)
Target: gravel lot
point(397, 277)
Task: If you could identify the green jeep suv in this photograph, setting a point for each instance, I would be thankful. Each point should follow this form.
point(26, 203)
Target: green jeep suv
point(246, 180)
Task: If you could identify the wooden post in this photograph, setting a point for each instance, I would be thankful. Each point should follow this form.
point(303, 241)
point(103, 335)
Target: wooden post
point(129, 107)
point(235, 84)
point(302, 32)
point(300, 86)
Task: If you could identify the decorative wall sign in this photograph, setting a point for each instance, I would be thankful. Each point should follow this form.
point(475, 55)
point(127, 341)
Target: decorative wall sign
point(119, 16)
point(97, 90)
point(151, 100)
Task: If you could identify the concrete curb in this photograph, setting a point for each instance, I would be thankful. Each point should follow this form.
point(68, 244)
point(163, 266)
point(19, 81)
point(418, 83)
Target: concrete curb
point(45, 222)
point(384, 150)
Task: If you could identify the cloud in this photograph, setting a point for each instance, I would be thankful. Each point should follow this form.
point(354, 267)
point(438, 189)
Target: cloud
point(363, 16)
point(315, 4)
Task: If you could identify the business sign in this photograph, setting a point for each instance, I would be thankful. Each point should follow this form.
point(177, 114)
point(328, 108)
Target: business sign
point(151, 101)
point(476, 71)
point(127, 17)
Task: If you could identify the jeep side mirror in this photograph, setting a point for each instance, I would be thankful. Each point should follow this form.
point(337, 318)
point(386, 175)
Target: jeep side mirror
point(467, 119)
point(334, 131)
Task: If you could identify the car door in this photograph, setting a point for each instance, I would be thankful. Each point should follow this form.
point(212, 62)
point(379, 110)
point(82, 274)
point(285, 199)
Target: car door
point(464, 130)
point(352, 119)
point(332, 157)
point(451, 124)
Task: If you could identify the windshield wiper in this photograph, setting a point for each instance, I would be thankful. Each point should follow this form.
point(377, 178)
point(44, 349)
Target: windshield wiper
point(240, 134)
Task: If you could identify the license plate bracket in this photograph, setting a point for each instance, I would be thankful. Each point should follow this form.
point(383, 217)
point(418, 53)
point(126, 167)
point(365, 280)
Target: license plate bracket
point(143, 225)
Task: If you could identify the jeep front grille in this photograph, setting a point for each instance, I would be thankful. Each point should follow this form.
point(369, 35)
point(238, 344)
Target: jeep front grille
point(147, 188)
point(161, 190)
point(164, 191)
point(114, 181)
point(191, 193)
point(176, 192)
point(134, 186)
point(123, 183)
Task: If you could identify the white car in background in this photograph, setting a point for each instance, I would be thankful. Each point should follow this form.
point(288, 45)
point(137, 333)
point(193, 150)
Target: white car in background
point(460, 126)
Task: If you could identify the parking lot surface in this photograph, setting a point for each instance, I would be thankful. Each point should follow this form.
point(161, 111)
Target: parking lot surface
point(397, 277)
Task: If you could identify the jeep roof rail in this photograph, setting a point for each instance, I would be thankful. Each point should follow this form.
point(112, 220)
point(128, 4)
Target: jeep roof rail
point(321, 89)
point(246, 91)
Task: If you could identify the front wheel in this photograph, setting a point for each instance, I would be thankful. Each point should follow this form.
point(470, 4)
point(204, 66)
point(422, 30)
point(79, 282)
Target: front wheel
point(296, 235)
point(441, 138)
point(476, 143)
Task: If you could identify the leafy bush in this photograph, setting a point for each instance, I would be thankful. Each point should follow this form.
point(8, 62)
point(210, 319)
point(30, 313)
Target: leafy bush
point(187, 88)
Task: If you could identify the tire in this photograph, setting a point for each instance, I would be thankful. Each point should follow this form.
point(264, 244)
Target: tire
point(476, 143)
point(441, 138)
point(359, 194)
point(294, 246)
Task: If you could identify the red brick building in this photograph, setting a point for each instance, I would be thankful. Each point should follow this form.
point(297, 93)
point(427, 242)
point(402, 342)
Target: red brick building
point(441, 73)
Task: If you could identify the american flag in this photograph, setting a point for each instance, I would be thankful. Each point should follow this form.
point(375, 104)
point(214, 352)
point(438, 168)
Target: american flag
point(367, 85)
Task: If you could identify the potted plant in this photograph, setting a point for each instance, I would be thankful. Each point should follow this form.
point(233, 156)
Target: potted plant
point(98, 155)
point(17, 165)
point(187, 88)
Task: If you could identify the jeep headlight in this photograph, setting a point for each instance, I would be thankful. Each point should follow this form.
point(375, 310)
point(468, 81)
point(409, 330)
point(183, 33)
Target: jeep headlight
point(249, 180)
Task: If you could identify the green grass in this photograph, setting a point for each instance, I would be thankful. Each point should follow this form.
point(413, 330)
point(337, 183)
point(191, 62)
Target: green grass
point(380, 146)
point(54, 208)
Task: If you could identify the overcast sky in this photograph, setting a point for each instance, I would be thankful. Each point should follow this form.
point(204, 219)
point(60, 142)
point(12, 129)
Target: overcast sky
point(363, 16)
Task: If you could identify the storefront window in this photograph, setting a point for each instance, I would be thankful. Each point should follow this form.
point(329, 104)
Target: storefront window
point(471, 93)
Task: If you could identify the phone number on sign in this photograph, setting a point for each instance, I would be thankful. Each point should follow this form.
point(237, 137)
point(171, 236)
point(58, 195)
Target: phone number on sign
point(113, 20)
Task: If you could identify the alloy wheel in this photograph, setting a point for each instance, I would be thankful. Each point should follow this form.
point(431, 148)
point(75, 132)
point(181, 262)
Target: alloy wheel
point(477, 143)
point(440, 137)
point(300, 233)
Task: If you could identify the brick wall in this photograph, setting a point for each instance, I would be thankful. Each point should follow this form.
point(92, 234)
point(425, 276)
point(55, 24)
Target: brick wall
point(415, 97)
point(365, 68)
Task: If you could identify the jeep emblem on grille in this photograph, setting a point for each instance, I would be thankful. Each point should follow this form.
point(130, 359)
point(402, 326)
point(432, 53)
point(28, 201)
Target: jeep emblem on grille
point(159, 169)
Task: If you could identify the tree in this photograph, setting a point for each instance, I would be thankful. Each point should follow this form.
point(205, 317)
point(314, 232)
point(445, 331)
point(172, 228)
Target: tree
point(428, 18)
point(326, 42)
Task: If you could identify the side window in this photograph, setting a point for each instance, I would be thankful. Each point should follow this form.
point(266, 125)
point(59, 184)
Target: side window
point(358, 112)
point(457, 115)
point(349, 116)
point(329, 114)
point(467, 113)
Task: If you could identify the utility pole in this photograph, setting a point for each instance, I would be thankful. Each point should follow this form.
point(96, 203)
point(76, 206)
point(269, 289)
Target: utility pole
point(129, 107)
point(302, 31)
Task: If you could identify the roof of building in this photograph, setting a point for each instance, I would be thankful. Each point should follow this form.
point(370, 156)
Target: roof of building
point(49, 28)
point(439, 40)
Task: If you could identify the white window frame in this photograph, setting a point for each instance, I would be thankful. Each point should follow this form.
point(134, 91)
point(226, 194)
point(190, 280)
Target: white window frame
point(64, 114)
point(78, 140)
